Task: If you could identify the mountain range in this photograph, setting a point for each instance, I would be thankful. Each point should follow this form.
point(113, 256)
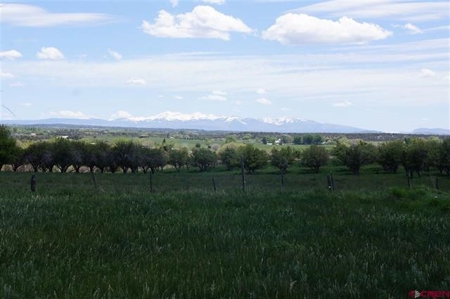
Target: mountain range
point(209, 122)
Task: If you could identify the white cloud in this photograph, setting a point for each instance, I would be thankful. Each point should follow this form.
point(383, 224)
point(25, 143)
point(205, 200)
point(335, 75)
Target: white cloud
point(16, 84)
point(34, 16)
point(11, 54)
point(174, 3)
point(202, 22)
point(7, 75)
point(218, 2)
point(121, 114)
point(69, 114)
point(261, 91)
point(427, 73)
point(137, 81)
point(26, 104)
point(343, 104)
point(178, 97)
point(375, 9)
point(264, 101)
point(216, 95)
point(114, 54)
point(412, 29)
point(50, 53)
point(298, 29)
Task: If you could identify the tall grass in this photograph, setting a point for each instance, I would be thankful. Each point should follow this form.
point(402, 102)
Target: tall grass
point(70, 241)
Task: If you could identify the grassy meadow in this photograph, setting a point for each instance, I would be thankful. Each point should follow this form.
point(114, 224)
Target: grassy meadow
point(372, 238)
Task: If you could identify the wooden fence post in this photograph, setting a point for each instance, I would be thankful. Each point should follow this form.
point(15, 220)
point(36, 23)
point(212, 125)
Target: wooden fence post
point(94, 180)
point(33, 183)
point(214, 184)
point(282, 179)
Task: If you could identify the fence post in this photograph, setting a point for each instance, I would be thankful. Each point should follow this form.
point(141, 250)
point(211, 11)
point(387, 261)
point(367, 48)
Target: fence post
point(282, 179)
point(214, 184)
point(243, 173)
point(94, 180)
point(436, 183)
point(329, 183)
point(33, 183)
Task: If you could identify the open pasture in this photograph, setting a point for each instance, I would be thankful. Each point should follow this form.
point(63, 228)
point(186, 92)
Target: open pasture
point(70, 240)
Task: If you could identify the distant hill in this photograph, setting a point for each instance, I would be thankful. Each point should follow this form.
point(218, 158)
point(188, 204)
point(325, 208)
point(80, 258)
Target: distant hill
point(433, 131)
point(199, 121)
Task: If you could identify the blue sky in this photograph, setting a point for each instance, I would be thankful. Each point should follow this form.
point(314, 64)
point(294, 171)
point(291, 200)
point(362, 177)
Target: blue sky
point(373, 64)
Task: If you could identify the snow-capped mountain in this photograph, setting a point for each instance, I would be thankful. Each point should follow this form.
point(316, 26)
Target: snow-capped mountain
point(200, 121)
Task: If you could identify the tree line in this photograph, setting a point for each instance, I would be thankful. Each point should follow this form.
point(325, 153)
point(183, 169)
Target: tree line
point(414, 155)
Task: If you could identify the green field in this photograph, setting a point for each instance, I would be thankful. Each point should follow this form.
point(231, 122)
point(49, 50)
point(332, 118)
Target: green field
point(372, 238)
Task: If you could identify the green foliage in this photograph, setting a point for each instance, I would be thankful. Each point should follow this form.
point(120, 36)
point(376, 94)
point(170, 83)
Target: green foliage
point(390, 155)
point(178, 158)
point(282, 158)
point(414, 157)
point(254, 158)
point(203, 158)
point(314, 157)
point(229, 156)
point(7, 146)
point(356, 155)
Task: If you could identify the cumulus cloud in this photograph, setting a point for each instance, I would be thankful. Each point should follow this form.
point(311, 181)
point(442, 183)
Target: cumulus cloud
point(137, 81)
point(69, 114)
point(174, 3)
point(34, 16)
point(121, 114)
point(343, 104)
point(264, 101)
point(11, 54)
point(6, 75)
point(115, 55)
point(427, 73)
point(202, 22)
point(298, 29)
point(50, 53)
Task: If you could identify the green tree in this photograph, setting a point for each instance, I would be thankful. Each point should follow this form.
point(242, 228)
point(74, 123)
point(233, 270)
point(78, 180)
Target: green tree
point(254, 158)
point(178, 158)
point(314, 157)
point(127, 155)
point(356, 155)
point(414, 156)
point(7, 146)
point(298, 140)
point(203, 158)
point(61, 151)
point(283, 158)
point(308, 139)
point(153, 159)
point(390, 155)
point(229, 156)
